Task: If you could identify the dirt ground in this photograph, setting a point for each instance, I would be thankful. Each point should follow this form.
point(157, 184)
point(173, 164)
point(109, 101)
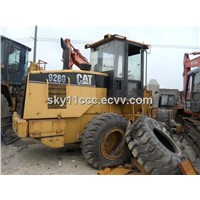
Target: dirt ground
point(29, 156)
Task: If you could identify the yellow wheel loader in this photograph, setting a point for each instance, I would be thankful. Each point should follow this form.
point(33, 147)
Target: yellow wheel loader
point(90, 106)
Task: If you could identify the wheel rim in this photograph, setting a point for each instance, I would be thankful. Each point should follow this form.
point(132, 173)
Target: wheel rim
point(110, 142)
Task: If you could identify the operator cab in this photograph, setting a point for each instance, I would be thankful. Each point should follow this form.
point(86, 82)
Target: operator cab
point(14, 61)
point(192, 93)
point(123, 61)
point(14, 65)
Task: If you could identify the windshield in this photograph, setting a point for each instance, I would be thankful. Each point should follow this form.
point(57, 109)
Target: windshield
point(197, 82)
point(196, 90)
point(108, 57)
point(14, 59)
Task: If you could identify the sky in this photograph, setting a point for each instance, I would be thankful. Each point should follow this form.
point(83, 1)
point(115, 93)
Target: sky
point(165, 61)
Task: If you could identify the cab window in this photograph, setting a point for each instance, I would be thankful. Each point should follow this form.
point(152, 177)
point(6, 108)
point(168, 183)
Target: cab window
point(14, 59)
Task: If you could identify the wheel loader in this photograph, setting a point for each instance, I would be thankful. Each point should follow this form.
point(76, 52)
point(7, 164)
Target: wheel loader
point(116, 70)
point(90, 106)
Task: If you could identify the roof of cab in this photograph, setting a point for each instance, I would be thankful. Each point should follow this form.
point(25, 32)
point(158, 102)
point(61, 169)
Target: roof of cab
point(24, 46)
point(110, 37)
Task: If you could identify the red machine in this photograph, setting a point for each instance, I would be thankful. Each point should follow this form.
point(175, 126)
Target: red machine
point(192, 84)
point(73, 56)
point(191, 99)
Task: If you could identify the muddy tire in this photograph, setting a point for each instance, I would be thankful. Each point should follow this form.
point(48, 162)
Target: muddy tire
point(101, 138)
point(151, 144)
point(8, 136)
point(163, 116)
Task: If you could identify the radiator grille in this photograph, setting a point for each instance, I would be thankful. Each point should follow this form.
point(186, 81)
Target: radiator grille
point(57, 91)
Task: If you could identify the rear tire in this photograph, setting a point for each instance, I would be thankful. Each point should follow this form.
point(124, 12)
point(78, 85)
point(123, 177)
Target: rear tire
point(101, 138)
point(163, 115)
point(154, 149)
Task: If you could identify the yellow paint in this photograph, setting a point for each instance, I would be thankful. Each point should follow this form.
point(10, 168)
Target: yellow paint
point(56, 126)
point(54, 142)
point(36, 106)
point(34, 67)
point(20, 126)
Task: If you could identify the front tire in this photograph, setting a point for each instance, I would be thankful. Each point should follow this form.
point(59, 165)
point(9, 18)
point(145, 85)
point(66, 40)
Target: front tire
point(101, 138)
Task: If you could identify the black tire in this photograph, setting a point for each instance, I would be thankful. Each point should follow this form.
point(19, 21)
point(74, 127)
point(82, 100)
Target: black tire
point(100, 139)
point(152, 146)
point(5, 112)
point(163, 115)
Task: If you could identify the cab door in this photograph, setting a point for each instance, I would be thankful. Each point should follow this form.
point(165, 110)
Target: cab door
point(13, 64)
point(134, 71)
point(192, 92)
point(119, 79)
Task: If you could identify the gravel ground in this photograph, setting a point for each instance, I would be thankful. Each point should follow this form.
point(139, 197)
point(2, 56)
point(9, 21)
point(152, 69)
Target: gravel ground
point(28, 156)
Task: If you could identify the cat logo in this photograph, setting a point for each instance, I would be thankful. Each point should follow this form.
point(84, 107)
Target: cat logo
point(84, 79)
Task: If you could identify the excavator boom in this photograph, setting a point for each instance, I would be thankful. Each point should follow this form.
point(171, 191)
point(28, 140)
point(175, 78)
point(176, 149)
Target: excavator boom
point(73, 56)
